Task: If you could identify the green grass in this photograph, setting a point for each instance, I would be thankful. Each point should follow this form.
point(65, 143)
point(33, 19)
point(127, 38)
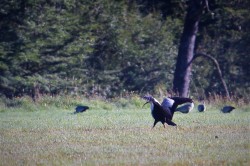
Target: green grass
point(118, 133)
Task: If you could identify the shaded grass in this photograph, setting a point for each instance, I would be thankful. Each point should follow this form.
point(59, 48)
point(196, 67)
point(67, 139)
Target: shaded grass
point(119, 133)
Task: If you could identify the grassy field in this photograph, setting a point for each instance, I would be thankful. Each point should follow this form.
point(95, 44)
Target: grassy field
point(118, 133)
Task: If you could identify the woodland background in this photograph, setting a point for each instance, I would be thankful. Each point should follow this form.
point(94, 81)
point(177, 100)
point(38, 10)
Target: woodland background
point(111, 47)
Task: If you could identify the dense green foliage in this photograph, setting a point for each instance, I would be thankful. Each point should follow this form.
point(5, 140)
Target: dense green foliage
point(108, 47)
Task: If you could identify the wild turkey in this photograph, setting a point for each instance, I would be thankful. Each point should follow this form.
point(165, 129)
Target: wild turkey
point(186, 108)
point(202, 107)
point(164, 112)
point(80, 109)
point(227, 109)
point(173, 102)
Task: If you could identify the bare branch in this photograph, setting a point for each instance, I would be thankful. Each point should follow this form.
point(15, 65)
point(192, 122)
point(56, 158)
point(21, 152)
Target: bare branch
point(217, 67)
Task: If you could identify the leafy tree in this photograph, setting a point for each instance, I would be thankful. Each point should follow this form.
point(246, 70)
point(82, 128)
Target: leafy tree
point(108, 47)
point(224, 36)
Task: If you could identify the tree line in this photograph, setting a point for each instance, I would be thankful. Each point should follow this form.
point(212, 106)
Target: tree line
point(109, 47)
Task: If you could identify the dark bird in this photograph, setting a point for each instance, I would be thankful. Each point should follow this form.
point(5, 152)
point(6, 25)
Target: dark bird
point(186, 108)
point(80, 109)
point(173, 102)
point(201, 107)
point(164, 112)
point(227, 109)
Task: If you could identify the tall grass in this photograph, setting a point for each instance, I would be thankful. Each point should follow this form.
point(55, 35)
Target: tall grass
point(118, 132)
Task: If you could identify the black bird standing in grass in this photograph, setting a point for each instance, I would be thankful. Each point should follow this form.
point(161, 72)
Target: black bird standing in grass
point(164, 113)
point(202, 107)
point(158, 112)
point(185, 108)
point(80, 109)
point(227, 109)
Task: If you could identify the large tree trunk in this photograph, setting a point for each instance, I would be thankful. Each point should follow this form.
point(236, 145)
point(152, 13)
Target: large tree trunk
point(186, 49)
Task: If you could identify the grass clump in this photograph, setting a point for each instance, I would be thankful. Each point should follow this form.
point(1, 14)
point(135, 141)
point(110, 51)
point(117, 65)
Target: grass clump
point(131, 101)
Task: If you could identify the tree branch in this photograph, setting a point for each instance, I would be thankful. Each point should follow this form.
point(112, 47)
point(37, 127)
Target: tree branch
point(217, 67)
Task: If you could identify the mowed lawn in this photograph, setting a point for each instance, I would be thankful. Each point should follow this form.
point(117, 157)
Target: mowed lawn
point(122, 136)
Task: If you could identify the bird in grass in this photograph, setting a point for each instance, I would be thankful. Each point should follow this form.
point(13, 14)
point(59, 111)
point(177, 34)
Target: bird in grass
point(159, 113)
point(80, 109)
point(227, 109)
point(164, 112)
point(201, 107)
point(186, 108)
point(173, 102)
